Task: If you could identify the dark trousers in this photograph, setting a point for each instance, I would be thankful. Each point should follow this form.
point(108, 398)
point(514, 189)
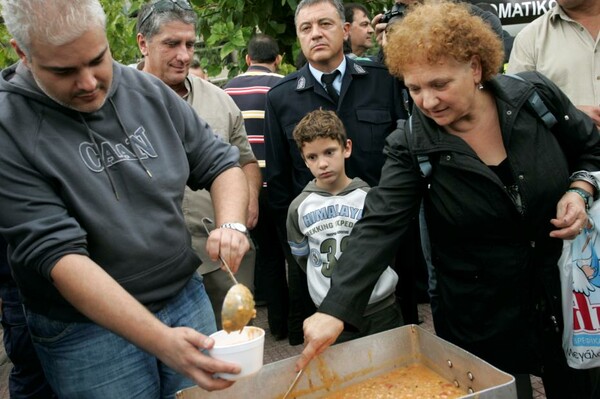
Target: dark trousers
point(382, 320)
point(27, 379)
point(301, 305)
point(270, 281)
point(411, 268)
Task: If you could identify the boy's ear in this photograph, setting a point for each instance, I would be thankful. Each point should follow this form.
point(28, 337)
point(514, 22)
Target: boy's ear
point(348, 149)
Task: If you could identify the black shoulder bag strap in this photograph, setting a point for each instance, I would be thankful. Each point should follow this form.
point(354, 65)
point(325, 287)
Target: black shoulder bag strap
point(423, 160)
point(538, 106)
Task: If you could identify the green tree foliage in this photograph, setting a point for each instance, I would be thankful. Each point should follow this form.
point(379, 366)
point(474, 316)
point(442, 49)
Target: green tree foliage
point(120, 29)
point(225, 28)
point(7, 54)
point(227, 25)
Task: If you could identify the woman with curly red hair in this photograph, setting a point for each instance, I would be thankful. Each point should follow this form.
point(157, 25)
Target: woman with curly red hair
point(505, 189)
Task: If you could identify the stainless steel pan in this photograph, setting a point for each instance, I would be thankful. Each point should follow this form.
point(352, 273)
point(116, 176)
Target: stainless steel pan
point(345, 364)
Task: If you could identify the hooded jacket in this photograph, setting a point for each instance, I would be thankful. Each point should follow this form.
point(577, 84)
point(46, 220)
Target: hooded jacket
point(317, 226)
point(106, 184)
point(496, 266)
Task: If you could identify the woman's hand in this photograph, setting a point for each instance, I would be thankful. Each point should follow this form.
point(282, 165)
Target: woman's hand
point(320, 331)
point(571, 217)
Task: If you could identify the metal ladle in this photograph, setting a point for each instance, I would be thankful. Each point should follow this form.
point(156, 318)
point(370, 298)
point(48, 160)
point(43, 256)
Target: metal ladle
point(238, 305)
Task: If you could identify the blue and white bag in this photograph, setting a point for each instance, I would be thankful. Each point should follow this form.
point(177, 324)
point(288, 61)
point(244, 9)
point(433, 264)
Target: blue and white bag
point(579, 267)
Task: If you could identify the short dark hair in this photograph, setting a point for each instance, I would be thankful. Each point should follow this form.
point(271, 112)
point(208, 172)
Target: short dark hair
point(263, 48)
point(319, 124)
point(349, 11)
point(337, 4)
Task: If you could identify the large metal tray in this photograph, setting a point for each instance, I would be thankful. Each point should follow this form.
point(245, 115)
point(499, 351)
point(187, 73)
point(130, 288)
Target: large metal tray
point(354, 361)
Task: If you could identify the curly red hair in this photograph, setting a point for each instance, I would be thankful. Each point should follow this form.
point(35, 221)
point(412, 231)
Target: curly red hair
point(434, 31)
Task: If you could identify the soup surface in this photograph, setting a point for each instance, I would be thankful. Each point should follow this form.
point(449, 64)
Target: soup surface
point(414, 381)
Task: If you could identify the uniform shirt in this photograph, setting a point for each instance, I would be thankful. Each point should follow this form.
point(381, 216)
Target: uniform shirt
point(564, 51)
point(337, 83)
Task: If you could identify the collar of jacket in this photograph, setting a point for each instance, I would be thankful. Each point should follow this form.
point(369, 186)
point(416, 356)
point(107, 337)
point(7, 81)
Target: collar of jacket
point(258, 68)
point(305, 79)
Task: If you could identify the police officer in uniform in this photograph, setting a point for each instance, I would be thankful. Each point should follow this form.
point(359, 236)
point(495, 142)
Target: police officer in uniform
point(365, 96)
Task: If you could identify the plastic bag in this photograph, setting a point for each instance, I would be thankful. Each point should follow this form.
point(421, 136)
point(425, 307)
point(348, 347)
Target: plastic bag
point(580, 285)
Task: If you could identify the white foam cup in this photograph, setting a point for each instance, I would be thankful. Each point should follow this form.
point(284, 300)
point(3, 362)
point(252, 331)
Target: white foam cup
point(245, 348)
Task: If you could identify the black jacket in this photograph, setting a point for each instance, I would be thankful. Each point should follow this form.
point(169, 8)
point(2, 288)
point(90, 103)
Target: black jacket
point(370, 104)
point(5, 276)
point(494, 264)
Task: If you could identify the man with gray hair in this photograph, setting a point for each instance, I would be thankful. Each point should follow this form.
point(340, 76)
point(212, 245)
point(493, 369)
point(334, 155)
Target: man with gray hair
point(166, 34)
point(95, 158)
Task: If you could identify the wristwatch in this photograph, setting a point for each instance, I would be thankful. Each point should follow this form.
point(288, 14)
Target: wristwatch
point(587, 197)
point(235, 226)
point(583, 175)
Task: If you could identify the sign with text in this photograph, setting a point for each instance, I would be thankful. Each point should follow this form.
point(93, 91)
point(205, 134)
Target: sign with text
point(513, 12)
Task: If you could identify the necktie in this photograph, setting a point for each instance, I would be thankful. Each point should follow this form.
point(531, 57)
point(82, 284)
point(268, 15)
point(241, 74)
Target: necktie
point(328, 79)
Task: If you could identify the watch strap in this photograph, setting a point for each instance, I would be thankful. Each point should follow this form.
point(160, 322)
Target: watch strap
point(587, 197)
point(583, 175)
point(235, 226)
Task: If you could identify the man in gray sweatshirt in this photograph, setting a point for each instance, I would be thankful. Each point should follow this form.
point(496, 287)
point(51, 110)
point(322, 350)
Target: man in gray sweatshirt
point(94, 162)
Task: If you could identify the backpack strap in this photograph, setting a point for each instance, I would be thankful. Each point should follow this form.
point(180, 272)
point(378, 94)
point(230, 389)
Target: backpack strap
point(538, 106)
point(424, 163)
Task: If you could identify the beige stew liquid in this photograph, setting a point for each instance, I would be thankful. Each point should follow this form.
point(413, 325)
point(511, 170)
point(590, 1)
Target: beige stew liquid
point(414, 381)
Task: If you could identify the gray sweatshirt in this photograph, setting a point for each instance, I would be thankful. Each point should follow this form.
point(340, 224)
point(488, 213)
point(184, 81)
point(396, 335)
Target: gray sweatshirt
point(318, 226)
point(107, 184)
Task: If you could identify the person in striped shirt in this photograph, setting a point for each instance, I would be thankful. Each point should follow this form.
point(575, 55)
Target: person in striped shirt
point(249, 91)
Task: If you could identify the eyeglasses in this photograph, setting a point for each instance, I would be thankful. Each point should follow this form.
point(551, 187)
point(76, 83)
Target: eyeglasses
point(167, 5)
